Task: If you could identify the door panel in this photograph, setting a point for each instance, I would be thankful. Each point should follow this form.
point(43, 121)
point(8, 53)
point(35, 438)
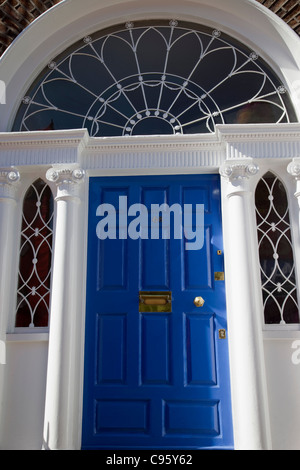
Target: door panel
point(111, 335)
point(200, 343)
point(156, 330)
point(156, 379)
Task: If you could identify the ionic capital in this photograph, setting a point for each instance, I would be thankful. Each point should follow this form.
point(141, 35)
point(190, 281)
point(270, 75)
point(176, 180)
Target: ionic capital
point(9, 177)
point(236, 172)
point(67, 180)
point(294, 168)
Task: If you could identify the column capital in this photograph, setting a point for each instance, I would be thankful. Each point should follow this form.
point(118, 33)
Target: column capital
point(294, 168)
point(66, 179)
point(9, 177)
point(236, 173)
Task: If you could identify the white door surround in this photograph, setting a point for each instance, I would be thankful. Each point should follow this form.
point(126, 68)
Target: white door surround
point(67, 159)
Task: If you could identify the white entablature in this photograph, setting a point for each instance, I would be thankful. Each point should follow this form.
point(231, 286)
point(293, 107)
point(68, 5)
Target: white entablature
point(158, 153)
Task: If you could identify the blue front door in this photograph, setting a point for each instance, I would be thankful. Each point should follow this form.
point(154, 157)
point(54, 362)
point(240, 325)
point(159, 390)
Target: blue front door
point(156, 364)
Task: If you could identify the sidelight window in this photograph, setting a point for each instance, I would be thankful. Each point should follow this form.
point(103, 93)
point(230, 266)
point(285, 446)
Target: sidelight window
point(35, 257)
point(276, 256)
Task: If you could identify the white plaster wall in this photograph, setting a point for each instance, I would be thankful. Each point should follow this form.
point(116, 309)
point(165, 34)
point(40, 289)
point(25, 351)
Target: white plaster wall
point(24, 376)
point(283, 381)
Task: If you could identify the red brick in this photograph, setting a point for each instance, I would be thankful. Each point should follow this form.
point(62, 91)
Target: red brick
point(15, 15)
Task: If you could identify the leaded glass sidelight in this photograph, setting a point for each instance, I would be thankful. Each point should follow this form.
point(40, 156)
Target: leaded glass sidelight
point(162, 77)
point(35, 257)
point(277, 265)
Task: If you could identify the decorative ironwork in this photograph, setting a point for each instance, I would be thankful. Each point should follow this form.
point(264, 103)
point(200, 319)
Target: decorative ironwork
point(276, 252)
point(35, 257)
point(154, 78)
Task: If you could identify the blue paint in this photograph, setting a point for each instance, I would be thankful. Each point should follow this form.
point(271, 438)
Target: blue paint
point(156, 380)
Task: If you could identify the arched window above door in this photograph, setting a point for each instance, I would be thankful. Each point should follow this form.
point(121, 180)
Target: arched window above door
point(278, 276)
point(147, 78)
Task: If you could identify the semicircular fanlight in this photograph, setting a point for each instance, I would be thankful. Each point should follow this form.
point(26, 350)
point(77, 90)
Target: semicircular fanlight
point(154, 78)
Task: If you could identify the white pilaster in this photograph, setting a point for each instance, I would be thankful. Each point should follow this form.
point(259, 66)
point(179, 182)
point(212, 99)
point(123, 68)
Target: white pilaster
point(63, 381)
point(9, 179)
point(249, 397)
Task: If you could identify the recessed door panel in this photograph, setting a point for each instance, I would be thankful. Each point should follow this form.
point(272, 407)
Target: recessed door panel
point(192, 260)
point(108, 278)
point(111, 335)
point(192, 418)
point(200, 343)
point(155, 246)
point(156, 330)
point(122, 417)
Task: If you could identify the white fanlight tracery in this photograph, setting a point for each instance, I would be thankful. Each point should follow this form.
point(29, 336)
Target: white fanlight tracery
point(157, 78)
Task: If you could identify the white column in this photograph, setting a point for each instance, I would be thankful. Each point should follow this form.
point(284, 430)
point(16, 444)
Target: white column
point(9, 179)
point(248, 381)
point(63, 379)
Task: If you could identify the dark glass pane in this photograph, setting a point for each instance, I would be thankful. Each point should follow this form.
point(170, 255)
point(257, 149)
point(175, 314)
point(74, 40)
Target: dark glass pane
point(35, 257)
point(154, 78)
point(276, 252)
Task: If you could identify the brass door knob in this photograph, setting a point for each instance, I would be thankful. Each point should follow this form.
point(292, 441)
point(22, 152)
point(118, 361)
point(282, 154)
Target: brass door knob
point(199, 301)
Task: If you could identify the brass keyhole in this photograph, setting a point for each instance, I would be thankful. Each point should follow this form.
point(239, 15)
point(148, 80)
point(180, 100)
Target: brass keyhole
point(199, 301)
point(222, 334)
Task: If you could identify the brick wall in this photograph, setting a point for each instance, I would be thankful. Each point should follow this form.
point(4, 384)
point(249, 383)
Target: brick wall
point(288, 10)
point(15, 15)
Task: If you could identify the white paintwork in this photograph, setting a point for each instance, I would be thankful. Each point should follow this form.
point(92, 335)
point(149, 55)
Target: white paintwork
point(265, 381)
